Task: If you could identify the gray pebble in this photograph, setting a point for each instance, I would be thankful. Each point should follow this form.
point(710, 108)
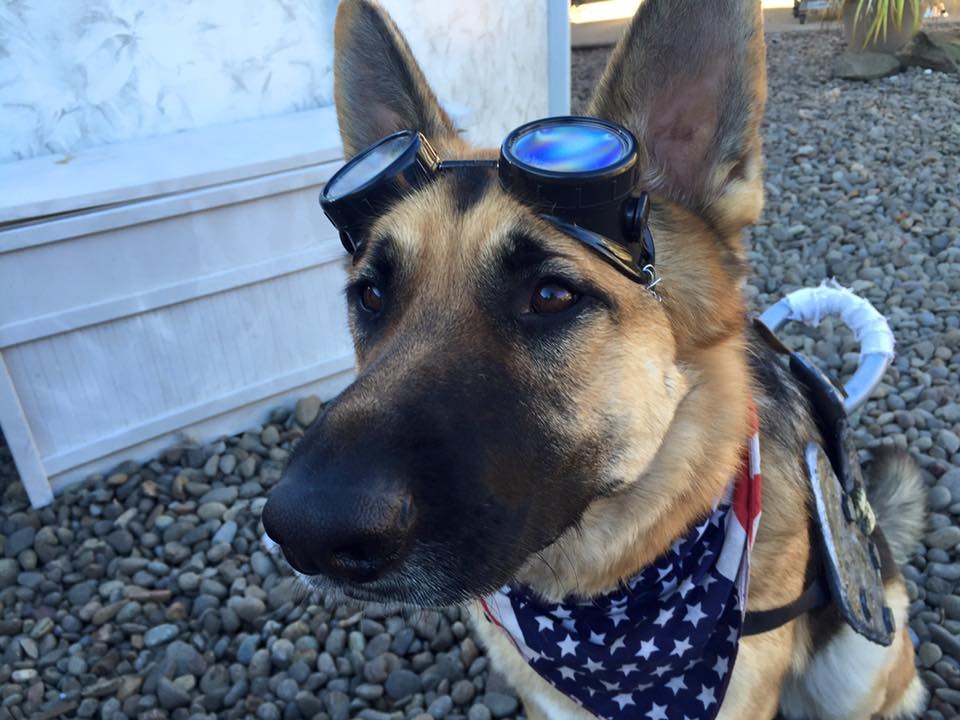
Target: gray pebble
point(947, 641)
point(268, 711)
point(170, 695)
point(402, 683)
point(247, 647)
point(336, 641)
point(226, 533)
point(939, 497)
point(945, 537)
point(479, 712)
point(462, 692)
point(247, 608)
point(20, 540)
point(281, 653)
point(948, 695)
point(946, 571)
point(337, 704)
point(160, 634)
point(308, 704)
point(368, 691)
point(929, 654)
point(500, 705)
point(440, 707)
point(307, 409)
point(287, 690)
point(949, 440)
point(9, 569)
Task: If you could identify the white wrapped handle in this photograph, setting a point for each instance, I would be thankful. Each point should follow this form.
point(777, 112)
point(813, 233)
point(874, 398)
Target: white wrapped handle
point(810, 305)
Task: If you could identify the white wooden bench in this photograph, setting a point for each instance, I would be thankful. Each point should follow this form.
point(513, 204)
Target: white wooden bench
point(174, 285)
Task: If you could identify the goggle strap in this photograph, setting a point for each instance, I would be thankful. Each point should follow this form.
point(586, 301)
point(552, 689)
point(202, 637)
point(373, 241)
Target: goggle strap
point(639, 269)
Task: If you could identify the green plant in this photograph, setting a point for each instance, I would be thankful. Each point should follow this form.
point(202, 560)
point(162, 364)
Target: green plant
point(882, 12)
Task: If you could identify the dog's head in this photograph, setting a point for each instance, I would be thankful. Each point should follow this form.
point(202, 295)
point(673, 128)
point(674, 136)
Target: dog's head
point(508, 378)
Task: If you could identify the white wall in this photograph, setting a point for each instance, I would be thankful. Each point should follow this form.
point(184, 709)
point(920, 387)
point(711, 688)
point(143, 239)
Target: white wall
point(76, 74)
point(489, 55)
point(80, 73)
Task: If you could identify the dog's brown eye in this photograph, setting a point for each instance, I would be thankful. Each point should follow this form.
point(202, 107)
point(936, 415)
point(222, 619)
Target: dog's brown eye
point(552, 297)
point(371, 298)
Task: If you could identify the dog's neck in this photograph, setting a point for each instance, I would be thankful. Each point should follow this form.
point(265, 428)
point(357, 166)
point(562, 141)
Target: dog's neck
point(696, 459)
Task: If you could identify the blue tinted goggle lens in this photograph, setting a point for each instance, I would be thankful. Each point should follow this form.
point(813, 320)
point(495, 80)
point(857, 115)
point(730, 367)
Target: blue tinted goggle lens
point(571, 148)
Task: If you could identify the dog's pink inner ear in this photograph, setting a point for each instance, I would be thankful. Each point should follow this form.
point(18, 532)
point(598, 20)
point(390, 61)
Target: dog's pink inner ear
point(682, 131)
point(688, 79)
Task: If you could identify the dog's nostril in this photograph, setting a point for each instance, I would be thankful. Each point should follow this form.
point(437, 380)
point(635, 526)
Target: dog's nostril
point(362, 560)
point(360, 554)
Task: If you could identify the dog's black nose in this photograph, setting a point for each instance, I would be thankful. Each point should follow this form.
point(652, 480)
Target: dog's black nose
point(347, 533)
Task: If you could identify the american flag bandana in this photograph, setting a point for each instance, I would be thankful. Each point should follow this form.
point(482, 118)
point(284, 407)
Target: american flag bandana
point(662, 645)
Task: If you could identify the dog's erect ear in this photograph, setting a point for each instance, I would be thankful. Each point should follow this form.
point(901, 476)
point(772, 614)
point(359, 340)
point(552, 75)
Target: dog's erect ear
point(379, 87)
point(689, 80)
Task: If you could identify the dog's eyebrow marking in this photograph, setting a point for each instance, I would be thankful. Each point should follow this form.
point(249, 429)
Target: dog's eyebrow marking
point(523, 250)
point(469, 185)
point(381, 255)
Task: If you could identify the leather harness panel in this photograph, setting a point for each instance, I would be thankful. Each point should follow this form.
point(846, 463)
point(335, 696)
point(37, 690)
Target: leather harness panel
point(845, 523)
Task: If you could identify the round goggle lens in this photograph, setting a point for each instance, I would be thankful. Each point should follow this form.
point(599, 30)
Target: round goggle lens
point(367, 166)
point(570, 148)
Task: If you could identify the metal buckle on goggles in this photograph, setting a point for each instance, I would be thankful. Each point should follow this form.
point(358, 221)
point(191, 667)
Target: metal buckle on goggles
point(578, 173)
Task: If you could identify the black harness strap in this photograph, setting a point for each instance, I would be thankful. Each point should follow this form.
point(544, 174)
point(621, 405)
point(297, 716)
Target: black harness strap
point(760, 621)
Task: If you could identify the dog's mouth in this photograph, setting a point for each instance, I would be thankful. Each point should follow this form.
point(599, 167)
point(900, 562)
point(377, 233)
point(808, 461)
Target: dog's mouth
point(419, 577)
point(410, 588)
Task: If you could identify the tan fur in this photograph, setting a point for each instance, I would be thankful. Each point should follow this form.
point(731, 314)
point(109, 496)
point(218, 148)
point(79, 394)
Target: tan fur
point(673, 374)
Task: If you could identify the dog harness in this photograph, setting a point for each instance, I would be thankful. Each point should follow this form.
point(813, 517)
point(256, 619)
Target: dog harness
point(662, 645)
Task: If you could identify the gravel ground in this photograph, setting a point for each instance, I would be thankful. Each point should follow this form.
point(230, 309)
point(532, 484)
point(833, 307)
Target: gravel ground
point(146, 594)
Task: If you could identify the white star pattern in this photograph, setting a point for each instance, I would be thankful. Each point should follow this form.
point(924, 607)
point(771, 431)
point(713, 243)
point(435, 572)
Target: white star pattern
point(610, 686)
point(618, 617)
point(686, 587)
point(598, 638)
point(617, 644)
point(657, 712)
point(707, 697)
point(568, 673)
point(647, 648)
point(722, 666)
point(661, 670)
point(695, 614)
point(623, 699)
point(677, 684)
point(544, 622)
point(680, 647)
point(562, 612)
point(593, 666)
point(568, 646)
point(666, 614)
point(627, 669)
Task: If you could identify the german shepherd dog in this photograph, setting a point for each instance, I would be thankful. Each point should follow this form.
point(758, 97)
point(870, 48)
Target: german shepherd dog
point(524, 413)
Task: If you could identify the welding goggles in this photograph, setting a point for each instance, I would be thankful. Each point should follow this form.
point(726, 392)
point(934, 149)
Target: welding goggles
point(577, 173)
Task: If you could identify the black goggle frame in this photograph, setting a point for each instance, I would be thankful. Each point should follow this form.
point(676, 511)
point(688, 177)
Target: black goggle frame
point(596, 208)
